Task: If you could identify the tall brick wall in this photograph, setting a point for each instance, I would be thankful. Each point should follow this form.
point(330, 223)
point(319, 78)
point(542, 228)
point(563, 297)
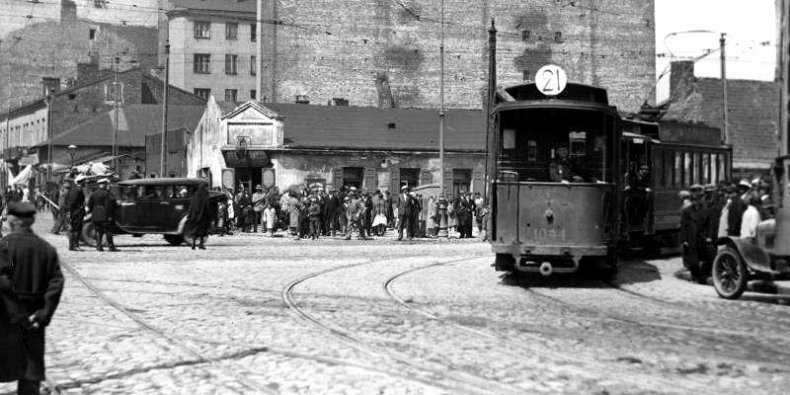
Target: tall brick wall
point(364, 50)
point(57, 38)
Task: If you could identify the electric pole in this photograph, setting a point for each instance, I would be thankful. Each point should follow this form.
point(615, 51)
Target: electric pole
point(115, 124)
point(441, 104)
point(163, 146)
point(725, 126)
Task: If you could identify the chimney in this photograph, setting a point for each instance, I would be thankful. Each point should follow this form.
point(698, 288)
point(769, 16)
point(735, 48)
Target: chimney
point(51, 85)
point(681, 80)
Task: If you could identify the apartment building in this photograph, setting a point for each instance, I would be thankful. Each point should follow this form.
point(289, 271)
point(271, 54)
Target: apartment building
point(213, 48)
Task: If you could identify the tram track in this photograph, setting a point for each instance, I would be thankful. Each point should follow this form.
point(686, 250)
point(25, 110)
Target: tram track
point(437, 376)
point(197, 356)
point(628, 377)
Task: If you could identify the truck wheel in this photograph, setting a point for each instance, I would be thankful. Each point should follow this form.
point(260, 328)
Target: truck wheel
point(88, 234)
point(729, 274)
point(174, 239)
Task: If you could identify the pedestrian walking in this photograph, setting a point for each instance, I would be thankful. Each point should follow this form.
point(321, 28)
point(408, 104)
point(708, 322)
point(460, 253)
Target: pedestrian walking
point(199, 218)
point(38, 285)
point(101, 206)
point(75, 204)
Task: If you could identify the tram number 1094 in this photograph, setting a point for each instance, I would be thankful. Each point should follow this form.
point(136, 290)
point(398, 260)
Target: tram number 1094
point(544, 234)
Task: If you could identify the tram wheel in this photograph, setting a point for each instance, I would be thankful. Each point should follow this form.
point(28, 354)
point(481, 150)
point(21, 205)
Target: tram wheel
point(729, 274)
point(174, 239)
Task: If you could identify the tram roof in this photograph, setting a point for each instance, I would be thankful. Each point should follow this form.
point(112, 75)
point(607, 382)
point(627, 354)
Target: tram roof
point(572, 92)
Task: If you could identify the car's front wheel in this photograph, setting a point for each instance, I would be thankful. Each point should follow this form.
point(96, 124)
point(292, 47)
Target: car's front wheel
point(729, 274)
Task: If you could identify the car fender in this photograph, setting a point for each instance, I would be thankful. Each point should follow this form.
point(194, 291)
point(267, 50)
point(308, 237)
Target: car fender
point(753, 256)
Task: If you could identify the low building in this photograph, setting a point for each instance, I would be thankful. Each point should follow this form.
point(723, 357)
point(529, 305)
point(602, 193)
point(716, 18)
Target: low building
point(300, 145)
point(94, 138)
point(753, 116)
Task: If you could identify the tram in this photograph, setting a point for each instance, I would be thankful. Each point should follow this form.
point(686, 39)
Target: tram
point(572, 180)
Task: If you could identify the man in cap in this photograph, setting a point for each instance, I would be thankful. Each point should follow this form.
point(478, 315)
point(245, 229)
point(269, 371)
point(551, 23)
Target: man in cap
point(695, 235)
point(38, 285)
point(75, 207)
point(405, 206)
point(101, 205)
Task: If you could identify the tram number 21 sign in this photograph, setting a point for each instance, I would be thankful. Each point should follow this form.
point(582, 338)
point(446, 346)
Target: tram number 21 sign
point(551, 80)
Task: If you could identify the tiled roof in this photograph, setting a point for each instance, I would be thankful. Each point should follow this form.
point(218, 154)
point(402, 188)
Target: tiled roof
point(752, 109)
point(339, 127)
point(217, 5)
point(135, 121)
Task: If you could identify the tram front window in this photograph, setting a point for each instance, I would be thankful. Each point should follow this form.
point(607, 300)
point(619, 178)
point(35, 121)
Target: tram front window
point(556, 145)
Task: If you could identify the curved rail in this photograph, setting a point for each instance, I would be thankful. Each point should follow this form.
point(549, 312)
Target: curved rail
point(592, 364)
point(160, 333)
point(453, 381)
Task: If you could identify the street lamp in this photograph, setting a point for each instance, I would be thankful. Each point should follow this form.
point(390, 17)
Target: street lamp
point(72, 151)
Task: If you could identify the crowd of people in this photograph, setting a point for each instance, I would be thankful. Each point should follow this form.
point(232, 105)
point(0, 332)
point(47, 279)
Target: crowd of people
point(317, 213)
point(713, 211)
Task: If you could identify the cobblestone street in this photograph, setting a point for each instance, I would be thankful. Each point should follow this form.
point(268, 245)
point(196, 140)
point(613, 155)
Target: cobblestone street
point(254, 314)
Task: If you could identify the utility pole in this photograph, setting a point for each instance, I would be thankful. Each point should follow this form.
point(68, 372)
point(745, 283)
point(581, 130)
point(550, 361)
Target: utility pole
point(115, 124)
point(441, 104)
point(725, 126)
point(491, 147)
point(163, 146)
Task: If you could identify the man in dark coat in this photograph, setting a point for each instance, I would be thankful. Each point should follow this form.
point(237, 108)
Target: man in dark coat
point(695, 234)
point(38, 284)
point(75, 207)
point(405, 207)
point(101, 205)
point(12, 320)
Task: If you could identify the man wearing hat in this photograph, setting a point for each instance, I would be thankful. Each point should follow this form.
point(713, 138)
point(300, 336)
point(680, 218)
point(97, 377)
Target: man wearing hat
point(38, 285)
point(75, 207)
point(695, 234)
point(737, 208)
point(405, 206)
point(101, 205)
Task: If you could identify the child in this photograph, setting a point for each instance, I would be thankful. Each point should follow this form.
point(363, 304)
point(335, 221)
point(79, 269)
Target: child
point(269, 219)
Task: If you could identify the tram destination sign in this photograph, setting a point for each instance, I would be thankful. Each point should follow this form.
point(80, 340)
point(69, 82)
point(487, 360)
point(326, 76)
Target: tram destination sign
point(551, 80)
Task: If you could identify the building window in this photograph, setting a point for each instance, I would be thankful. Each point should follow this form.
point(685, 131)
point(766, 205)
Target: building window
point(253, 32)
point(231, 31)
point(231, 64)
point(92, 34)
point(253, 94)
point(113, 92)
point(253, 64)
point(230, 95)
point(202, 93)
point(203, 30)
point(202, 63)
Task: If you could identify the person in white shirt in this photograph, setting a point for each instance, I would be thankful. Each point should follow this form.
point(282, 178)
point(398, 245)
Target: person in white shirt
point(751, 217)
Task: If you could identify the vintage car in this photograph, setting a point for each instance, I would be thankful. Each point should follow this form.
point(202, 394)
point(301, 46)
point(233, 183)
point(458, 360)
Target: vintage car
point(153, 206)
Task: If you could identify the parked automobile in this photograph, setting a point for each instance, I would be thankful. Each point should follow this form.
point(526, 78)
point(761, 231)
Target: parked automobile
point(154, 206)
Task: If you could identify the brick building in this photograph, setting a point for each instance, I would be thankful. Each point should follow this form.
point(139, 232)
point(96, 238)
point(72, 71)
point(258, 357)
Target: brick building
point(752, 112)
point(297, 145)
point(213, 47)
point(386, 53)
point(52, 38)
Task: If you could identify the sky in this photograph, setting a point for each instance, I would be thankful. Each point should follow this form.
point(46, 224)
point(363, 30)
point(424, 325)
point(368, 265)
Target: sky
point(750, 27)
